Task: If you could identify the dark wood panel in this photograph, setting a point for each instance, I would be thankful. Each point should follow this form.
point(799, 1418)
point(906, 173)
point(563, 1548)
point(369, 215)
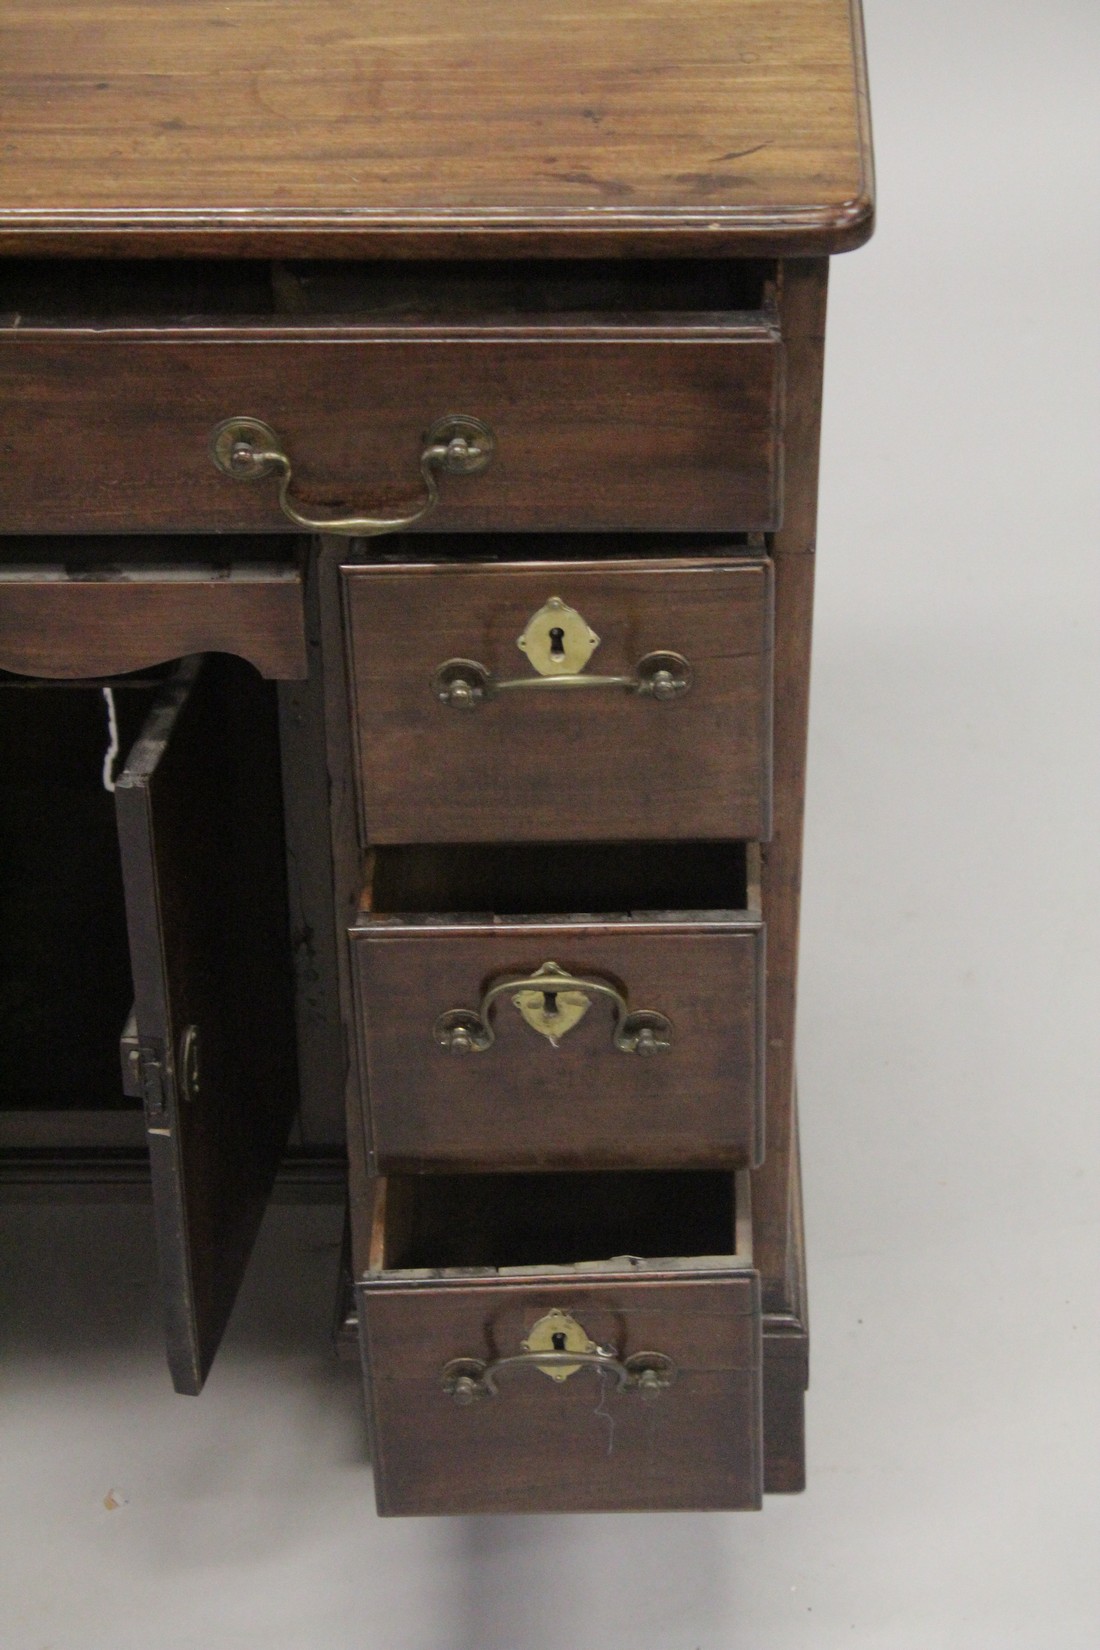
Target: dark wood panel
point(347, 878)
point(316, 934)
point(540, 765)
point(803, 296)
point(58, 625)
point(784, 1416)
point(601, 427)
point(66, 1132)
point(200, 832)
point(524, 1103)
point(710, 126)
point(787, 1356)
point(83, 1173)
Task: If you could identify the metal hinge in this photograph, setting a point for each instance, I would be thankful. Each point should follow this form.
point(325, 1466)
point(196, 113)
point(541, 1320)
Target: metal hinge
point(150, 1075)
point(143, 1073)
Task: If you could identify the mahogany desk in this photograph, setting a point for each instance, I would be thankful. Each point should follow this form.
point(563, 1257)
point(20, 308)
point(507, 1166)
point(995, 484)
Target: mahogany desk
point(408, 466)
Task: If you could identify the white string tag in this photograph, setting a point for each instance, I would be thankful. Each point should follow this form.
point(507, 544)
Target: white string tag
point(111, 754)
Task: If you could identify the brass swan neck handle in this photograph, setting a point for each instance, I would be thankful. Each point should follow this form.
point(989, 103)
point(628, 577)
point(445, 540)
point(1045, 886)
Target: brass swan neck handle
point(247, 449)
point(646, 1373)
point(463, 684)
point(552, 1001)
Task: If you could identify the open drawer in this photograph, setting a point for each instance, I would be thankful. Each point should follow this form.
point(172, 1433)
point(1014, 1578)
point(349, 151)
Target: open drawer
point(603, 696)
point(562, 1343)
point(605, 396)
point(497, 1033)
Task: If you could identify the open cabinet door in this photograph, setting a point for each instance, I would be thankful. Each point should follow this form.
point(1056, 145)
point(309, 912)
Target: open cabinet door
point(200, 829)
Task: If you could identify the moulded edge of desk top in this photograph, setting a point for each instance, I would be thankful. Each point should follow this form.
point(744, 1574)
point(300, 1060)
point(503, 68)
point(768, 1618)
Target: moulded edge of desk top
point(699, 128)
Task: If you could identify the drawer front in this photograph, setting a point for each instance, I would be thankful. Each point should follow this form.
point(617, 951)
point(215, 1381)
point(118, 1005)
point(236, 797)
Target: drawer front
point(579, 1444)
point(103, 623)
point(596, 427)
point(552, 759)
point(690, 1095)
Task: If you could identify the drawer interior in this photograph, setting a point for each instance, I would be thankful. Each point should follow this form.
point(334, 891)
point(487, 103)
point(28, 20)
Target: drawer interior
point(556, 552)
point(611, 287)
point(503, 1224)
point(36, 290)
point(537, 879)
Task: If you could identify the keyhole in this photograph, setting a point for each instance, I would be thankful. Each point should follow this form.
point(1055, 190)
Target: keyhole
point(557, 642)
point(549, 1002)
point(557, 1340)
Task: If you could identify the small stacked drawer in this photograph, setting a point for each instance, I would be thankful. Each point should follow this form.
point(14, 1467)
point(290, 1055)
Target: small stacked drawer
point(563, 1343)
point(499, 1031)
point(611, 699)
point(558, 970)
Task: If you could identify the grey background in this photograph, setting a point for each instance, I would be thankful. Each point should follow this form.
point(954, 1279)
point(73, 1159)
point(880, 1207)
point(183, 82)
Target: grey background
point(948, 1049)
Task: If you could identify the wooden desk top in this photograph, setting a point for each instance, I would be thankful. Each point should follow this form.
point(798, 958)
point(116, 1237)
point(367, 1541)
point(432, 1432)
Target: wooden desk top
point(377, 128)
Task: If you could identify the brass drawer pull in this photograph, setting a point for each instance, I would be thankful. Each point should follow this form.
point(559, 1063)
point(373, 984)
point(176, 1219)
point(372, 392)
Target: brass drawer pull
point(464, 684)
point(557, 1345)
point(552, 1002)
point(646, 1373)
point(558, 643)
point(246, 449)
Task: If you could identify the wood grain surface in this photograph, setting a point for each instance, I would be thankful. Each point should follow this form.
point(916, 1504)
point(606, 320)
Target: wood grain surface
point(525, 1104)
point(787, 1355)
point(406, 127)
point(803, 299)
point(546, 766)
point(539, 1446)
point(57, 625)
point(605, 426)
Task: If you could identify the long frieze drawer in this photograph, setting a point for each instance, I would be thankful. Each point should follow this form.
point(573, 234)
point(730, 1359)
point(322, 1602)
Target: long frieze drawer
point(86, 620)
point(662, 423)
point(578, 1343)
point(534, 701)
point(496, 1033)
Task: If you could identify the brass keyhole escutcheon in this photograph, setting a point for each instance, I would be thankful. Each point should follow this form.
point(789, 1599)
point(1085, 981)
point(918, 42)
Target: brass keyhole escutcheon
point(551, 1346)
point(552, 1001)
point(557, 640)
point(552, 1011)
point(558, 1332)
